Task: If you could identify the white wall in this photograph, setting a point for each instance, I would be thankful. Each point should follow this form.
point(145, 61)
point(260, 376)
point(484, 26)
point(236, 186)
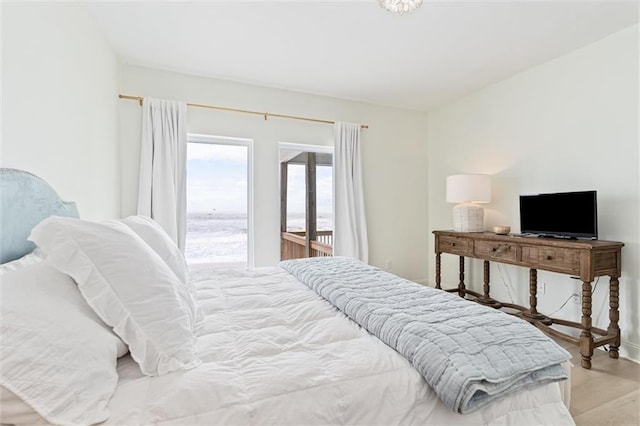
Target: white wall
point(59, 104)
point(394, 155)
point(569, 124)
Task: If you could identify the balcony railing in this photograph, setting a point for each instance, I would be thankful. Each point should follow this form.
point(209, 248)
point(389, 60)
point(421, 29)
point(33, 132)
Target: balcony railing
point(294, 245)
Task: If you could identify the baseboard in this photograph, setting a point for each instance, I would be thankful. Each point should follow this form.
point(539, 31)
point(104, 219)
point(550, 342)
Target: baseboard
point(630, 351)
point(426, 281)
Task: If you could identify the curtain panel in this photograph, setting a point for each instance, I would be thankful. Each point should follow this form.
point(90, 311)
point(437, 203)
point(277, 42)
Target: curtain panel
point(350, 233)
point(163, 153)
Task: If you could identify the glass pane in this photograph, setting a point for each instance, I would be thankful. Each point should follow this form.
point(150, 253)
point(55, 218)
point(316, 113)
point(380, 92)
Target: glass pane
point(216, 204)
point(324, 197)
point(296, 208)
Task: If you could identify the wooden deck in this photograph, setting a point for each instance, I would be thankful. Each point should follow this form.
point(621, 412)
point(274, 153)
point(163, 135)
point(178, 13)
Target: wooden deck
point(294, 245)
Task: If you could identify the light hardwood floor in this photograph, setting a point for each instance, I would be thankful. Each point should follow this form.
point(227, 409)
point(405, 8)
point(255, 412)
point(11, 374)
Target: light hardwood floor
point(608, 393)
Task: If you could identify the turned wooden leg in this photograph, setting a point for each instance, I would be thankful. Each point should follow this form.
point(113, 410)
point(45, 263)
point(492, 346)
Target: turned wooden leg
point(532, 315)
point(613, 328)
point(486, 279)
point(486, 299)
point(461, 288)
point(438, 271)
point(533, 289)
point(586, 338)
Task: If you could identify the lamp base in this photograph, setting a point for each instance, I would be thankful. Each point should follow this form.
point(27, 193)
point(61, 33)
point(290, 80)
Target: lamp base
point(468, 217)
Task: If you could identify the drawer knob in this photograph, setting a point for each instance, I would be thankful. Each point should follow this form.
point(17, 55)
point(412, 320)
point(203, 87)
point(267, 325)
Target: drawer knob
point(453, 244)
point(549, 257)
point(501, 249)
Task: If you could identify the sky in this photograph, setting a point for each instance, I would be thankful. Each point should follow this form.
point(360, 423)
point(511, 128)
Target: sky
point(296, 189)
point(217, 181)
point(216, 178)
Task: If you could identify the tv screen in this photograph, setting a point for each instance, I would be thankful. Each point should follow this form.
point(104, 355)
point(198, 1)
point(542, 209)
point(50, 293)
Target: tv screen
point(564, 214)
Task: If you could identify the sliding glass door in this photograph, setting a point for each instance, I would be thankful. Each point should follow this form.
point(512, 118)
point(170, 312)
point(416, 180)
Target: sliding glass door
point(306, 201)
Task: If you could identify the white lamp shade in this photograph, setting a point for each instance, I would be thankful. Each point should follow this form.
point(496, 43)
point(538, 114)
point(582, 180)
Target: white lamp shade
point(468, 189)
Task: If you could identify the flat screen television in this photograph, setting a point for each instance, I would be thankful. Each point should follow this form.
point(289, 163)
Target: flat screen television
point(560, 215)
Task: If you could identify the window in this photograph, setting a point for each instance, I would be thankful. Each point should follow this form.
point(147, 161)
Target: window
point(219, 221)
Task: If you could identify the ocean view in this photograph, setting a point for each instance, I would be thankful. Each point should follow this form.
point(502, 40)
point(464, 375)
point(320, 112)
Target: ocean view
point(222, 237)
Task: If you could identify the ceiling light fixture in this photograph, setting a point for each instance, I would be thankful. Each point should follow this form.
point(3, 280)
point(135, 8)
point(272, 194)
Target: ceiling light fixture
point(400, 6)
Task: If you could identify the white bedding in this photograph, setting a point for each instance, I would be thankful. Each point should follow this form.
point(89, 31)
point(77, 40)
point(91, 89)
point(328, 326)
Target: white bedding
point(273, 352)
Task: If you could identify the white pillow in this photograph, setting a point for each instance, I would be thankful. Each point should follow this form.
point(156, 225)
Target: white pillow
point(128, 285)
point(157, 238)
point(28, 259)
point(56, 354)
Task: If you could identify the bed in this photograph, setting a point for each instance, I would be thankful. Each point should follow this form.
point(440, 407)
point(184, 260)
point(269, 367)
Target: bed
point(269, 349)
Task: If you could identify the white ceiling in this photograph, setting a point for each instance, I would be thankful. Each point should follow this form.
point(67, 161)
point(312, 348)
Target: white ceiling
point(357, 50)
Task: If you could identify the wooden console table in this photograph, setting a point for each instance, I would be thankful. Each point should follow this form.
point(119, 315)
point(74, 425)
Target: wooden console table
point(585, 259)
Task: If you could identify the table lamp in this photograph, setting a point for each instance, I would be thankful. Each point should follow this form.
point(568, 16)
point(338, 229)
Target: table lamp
point(468, 190)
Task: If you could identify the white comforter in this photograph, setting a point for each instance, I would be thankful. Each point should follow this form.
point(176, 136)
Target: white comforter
point(275, 353)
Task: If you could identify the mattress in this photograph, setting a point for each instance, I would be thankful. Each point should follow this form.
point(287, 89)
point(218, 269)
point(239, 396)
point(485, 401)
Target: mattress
point(274, 352)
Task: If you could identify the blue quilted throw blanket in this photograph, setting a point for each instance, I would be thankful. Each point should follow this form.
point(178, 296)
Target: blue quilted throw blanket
point(468, 353)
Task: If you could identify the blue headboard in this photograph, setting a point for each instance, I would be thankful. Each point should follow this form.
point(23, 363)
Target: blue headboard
point(25, 200)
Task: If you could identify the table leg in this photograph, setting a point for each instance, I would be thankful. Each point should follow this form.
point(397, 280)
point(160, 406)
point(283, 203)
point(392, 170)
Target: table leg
point(486, 299)
point(461, 288)
point(613, 317)
point(532, 315)
point(533, 291)
point(486, 287)
point(438, 271)
point(586, 338)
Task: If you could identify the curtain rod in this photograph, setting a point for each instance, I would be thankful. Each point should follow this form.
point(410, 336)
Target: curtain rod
point(140, 100)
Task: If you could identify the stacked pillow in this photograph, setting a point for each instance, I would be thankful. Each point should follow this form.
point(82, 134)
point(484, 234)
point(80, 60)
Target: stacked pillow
point(56, 354)
point(156, 238)
point(59, 349)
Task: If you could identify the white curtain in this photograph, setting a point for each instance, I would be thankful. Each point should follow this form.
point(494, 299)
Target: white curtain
point(350, 233)
point(163, 179)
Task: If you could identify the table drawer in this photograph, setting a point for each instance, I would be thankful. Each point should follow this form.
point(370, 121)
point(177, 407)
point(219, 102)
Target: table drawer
point(455, 245)
point(559, 260)
point(496, 250)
